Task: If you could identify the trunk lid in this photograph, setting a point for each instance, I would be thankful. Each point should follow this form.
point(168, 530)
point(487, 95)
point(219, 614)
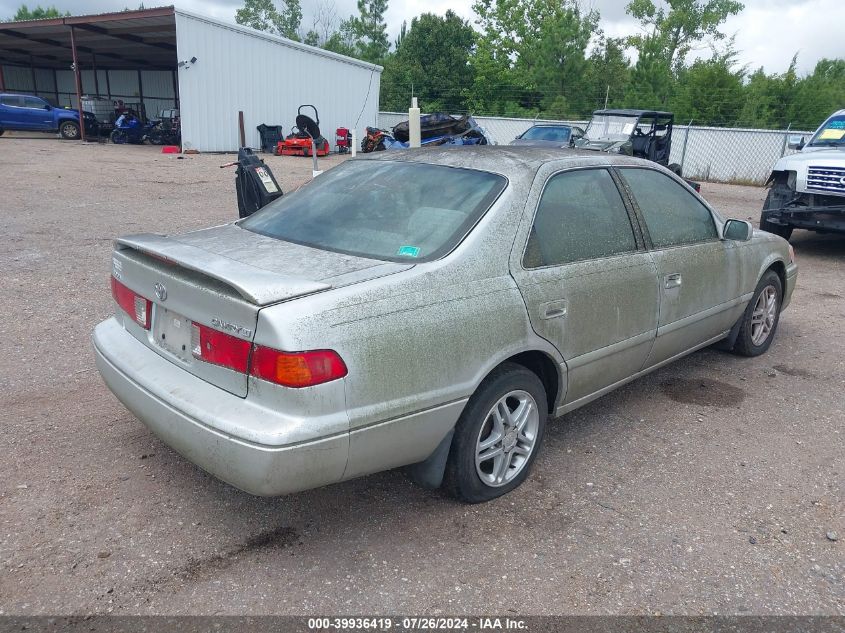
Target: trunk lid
point(221, 278)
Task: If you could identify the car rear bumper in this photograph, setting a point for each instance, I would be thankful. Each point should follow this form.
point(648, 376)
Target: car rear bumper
point(182, 411)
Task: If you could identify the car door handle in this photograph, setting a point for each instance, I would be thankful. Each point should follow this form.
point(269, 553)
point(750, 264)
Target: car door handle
point(553, 309)
point(673, 280)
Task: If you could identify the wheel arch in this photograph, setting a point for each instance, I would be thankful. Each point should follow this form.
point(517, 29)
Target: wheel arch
point(545, 368)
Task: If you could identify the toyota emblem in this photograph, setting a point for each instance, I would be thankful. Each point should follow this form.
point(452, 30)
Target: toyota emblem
point(161, 291)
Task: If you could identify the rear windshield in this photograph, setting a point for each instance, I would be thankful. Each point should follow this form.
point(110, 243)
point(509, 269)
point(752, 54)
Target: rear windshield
point(394, 211)
point(546, 134)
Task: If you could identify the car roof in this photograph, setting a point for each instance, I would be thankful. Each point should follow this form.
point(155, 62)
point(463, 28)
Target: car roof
point(624, 112)
point(551, 125)
point(511, 161)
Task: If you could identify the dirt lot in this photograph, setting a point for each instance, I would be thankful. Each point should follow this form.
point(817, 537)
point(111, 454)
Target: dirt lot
point(707, 487)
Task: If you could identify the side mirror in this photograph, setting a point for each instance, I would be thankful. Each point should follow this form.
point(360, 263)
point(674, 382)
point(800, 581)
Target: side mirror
point(796, 142)
point(737, 230)
point(48, 107)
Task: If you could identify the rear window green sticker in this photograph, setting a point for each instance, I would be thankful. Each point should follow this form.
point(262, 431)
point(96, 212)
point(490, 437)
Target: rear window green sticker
point(408, 251)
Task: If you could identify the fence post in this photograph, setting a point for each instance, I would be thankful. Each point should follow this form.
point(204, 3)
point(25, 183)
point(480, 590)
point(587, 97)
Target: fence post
point(785, 140)
point(684, 151)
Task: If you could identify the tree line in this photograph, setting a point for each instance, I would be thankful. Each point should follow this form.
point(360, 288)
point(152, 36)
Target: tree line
point(551, 59)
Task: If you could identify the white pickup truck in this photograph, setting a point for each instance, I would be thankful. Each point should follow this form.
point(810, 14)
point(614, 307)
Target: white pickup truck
point(808, 188)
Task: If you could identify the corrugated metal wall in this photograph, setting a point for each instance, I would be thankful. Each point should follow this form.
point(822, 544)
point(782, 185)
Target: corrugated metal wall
point(158, 88)
point(267, 78)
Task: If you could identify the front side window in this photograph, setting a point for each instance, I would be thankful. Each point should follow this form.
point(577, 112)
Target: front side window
point(580, 216)
point(673, 215)
point(33, 102)
point(381, 209)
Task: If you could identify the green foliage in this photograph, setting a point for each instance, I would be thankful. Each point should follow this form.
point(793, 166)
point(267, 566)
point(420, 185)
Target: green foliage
point(370, 31)
point(38, 13)
point(432, 59)
point(265, 15)
point(532, 54)
point(549, 58)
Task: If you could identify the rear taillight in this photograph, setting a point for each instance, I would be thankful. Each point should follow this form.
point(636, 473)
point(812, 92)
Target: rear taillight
point(213, 346)
point(297, 369)
point(132, 303)
point(290, 369)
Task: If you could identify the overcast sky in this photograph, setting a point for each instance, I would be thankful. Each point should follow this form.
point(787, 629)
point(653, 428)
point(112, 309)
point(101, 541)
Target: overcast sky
point(768, 32)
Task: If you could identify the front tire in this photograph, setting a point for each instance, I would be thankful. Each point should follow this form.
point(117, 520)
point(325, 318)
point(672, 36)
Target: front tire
point(498, 435)
point(761, 317)
point(69, 130)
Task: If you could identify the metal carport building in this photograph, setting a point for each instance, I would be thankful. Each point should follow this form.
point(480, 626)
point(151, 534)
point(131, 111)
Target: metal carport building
point(210, 70)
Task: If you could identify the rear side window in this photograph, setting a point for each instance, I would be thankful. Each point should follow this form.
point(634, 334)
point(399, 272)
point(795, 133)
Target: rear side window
point(581, 215)
point(673, 215)
point(11, 100)
point(382, 209)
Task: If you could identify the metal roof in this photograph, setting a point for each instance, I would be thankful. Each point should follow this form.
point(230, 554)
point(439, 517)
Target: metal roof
point(128, 39)
point(637, 113)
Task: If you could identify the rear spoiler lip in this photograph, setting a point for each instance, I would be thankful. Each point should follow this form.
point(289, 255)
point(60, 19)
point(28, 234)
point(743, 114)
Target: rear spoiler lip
point(256, 285)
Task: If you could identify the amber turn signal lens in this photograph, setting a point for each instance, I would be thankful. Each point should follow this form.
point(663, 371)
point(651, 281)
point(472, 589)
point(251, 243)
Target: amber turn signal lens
point(297, 369)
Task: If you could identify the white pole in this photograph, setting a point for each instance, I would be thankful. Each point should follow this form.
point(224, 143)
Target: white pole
point(414, 132)
point(354, 141)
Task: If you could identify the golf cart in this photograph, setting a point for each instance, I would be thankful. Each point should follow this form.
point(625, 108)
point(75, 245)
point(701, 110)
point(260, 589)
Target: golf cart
point(641, 133)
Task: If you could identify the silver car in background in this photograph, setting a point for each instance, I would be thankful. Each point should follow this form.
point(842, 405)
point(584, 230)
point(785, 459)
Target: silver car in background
point(428, 309)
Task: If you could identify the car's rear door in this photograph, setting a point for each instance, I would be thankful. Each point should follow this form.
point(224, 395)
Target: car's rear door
point(11, 112)
point(699, 274)
point(589, 284)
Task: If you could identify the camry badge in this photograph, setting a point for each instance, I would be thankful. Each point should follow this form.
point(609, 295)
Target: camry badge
point(161, 291)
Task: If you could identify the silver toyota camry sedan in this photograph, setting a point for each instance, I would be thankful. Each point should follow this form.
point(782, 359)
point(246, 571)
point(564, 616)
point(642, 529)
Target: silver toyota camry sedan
point(428, 309)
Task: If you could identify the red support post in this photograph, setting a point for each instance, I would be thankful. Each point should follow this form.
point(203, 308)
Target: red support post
point(78, 77)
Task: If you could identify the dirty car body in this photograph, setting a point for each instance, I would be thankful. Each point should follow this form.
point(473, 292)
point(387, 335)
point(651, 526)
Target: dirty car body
point(295, 349)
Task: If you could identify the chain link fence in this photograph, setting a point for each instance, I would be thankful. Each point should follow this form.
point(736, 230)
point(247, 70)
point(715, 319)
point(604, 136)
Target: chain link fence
point(730, 155)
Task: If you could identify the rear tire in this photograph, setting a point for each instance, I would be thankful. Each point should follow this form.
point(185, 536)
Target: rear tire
point(761, 317)
point(69, 130)
point(498, 435)
point(778, 195)
point(675, 168)
point(1, 131)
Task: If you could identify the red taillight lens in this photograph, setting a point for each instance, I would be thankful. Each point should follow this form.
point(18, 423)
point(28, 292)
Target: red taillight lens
point(218, 348)
point(297, 369)
point(132, 303)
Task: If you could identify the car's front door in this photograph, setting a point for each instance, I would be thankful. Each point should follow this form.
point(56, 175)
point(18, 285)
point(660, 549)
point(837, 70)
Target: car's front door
point(588, 283)
point(37, 114)
point(700, 274)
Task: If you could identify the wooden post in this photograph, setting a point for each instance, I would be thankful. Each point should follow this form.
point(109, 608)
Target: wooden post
point(76, 73)
point(2, 80)
point(241, 128)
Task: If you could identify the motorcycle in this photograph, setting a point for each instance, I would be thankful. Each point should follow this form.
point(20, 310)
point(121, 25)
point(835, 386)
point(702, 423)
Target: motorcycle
point(128, 129)
point(165, 132)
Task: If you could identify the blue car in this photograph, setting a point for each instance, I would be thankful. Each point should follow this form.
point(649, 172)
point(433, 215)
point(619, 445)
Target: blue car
point(34, 114)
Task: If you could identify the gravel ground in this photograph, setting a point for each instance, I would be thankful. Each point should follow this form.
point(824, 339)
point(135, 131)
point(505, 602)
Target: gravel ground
point(707, 487)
